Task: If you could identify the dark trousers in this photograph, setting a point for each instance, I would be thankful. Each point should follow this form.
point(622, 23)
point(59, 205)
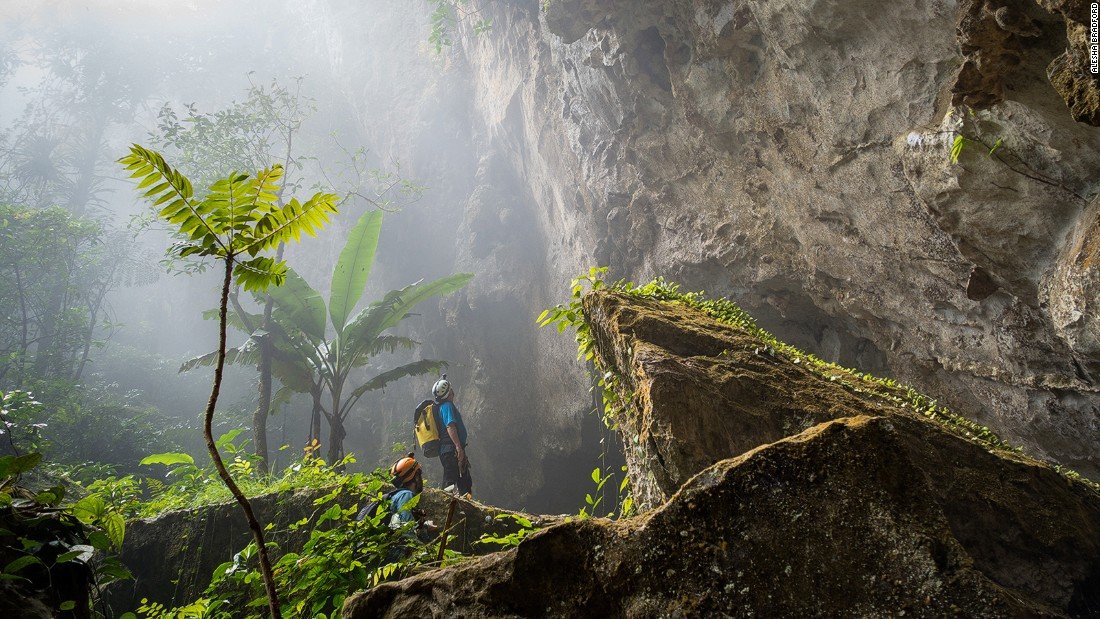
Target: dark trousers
point(452, 474)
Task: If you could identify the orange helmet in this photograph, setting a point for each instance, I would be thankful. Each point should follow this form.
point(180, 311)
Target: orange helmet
point(405, 469)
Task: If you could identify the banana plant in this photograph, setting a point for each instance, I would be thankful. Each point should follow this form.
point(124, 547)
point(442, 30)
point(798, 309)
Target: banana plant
point(355, 338)
point(318, 346)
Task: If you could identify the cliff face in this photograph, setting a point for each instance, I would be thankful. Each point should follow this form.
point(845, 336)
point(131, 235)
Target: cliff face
point(793, 155)
point(872, 510)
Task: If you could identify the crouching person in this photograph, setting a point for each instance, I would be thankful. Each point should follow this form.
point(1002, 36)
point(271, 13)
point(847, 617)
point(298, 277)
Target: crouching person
point(408, 481)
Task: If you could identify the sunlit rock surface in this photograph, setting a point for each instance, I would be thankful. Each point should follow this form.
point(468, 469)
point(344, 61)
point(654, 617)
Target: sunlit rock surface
point(877, 512)
point(792, 154)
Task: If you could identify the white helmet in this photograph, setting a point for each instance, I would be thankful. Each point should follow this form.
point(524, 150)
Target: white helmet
point(441, 387)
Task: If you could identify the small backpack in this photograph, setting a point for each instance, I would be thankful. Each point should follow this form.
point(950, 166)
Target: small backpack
point(371, 510)
point(426, 427)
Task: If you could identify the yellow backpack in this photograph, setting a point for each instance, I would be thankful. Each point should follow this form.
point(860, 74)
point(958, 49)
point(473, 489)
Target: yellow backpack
point(426, 428)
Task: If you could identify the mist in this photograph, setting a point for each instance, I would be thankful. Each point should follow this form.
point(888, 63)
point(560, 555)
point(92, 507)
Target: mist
point(81, 81)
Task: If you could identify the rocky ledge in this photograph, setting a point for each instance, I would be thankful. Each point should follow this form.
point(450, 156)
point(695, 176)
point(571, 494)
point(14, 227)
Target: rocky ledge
point(851, 503)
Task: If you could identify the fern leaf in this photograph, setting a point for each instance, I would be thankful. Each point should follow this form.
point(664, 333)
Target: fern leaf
point(163, 184)
point(258, 274)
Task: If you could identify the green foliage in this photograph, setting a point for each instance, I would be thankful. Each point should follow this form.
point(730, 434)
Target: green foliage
point(341, 556)
point(306, 361)
point(185, 485)
point(957, 148)
point(80, 423)
point(20, 425)
point(616, 400)
point(244, 135)
point(971, 133)
point(239, 215)
point(41, 540)
point(593, 499)
point(55, 271)
point(509, 540)
point(349, 276)
point(445, 17)
point(168, 459)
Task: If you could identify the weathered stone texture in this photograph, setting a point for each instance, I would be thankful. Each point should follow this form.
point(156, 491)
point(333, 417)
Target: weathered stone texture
point(875, 511)
point(863, 516)
point(793, 154)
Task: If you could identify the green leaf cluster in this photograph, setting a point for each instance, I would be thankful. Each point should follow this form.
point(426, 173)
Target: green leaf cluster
point(341, 556)
point(240, 215)
point(39, 535)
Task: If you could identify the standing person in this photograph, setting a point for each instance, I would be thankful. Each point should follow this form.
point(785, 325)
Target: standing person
point(452, 453)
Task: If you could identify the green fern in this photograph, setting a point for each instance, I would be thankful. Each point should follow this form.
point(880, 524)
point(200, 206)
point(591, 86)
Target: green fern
point(238, 219)
point(239, 216)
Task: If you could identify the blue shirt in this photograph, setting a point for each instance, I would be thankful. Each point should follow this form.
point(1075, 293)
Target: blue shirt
point(397, 501)
point(448, 414)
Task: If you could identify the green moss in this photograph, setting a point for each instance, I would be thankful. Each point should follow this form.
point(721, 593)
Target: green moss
point(728, 312)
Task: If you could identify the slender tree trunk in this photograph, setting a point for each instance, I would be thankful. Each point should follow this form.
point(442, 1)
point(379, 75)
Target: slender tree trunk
point(208, 419)
point(336, 432)
point(315, 418)
point(336, 439)
point(24, 340)
point(263, 405)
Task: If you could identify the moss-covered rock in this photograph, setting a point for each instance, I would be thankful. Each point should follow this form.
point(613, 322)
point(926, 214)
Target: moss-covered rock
point(794, 488)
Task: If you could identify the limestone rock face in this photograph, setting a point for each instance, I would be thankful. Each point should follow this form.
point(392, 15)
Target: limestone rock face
point(794, 155)
point(863, 516)
point(872, 510)
point(699, 391)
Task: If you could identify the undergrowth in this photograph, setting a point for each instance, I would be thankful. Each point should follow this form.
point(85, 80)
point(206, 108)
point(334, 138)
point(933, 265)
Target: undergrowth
point(185, 485)
point(571, 314)
point(342, 555)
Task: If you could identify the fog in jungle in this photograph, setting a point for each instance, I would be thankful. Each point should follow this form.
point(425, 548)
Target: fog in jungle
point(81, 80)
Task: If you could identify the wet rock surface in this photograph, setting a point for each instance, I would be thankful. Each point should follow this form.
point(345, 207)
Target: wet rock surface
point(863, 516)
point(700, 391)
point(872, 510)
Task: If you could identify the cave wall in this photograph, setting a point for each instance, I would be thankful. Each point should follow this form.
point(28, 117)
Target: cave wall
point(794, 155)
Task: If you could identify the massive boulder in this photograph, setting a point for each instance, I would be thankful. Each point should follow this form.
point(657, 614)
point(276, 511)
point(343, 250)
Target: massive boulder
point(792, 154)
point(874, 509)
point(697, 390)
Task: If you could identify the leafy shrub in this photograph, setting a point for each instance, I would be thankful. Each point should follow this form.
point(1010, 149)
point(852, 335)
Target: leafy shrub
point(56, 552)
point(342, 555)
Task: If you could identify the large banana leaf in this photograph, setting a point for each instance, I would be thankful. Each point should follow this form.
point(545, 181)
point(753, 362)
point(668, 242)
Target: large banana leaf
point(300, 306)
point(281, 398)
point(293, 370)
point(236, 319)
point(417, 368)
point(349, 277)
point(372, 321)
point(242, 355)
